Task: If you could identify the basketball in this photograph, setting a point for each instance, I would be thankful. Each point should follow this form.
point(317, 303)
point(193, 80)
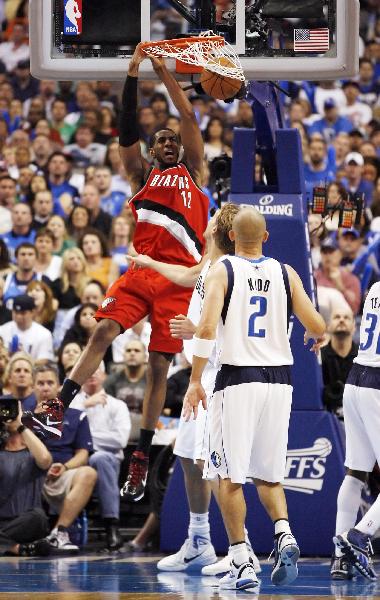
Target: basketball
point(219, 86)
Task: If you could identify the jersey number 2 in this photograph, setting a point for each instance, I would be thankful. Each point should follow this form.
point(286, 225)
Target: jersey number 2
point(370, 331)
point(260, 311)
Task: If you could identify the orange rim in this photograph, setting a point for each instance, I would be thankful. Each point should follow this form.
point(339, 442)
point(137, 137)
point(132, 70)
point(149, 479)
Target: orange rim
point(183, 42)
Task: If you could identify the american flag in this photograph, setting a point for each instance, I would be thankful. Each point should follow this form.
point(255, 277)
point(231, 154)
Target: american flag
point(311, 40)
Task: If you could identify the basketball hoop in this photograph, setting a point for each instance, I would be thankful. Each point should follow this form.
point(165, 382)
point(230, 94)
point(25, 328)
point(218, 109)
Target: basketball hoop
point(194, 54)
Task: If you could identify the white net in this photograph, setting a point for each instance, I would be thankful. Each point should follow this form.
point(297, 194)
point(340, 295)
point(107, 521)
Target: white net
point(207, 50)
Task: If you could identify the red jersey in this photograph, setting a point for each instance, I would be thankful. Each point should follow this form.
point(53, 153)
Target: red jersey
point(171, 213)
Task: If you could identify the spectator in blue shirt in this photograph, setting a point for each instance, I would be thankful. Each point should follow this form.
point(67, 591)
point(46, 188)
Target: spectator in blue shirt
point(318, 171)
point(70, 481)
point(111, 202)
point(17, 281)
point(58, 179)
point(353, 181)
point(331, 124)
point(21, 231)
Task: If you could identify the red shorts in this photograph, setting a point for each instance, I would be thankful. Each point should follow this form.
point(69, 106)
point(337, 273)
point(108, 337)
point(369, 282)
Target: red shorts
point(142, 292)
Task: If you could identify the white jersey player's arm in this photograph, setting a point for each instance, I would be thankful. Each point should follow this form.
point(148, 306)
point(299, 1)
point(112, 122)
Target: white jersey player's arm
point(184, 276)
point(303, 307)
point(215, 291)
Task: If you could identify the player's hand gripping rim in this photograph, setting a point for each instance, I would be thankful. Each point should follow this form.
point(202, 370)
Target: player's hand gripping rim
point(195, 394)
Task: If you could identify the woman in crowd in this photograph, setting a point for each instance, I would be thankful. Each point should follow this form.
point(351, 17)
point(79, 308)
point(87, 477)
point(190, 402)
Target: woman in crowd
point(214, 139)
point(107, 127)
point(74, 277)
point(6, 266)
point(62, 240)
point(46, 304)
point(68, 355)
point(79, 221)
point(100, 265)
point(113, 161)
point(120, 240)
point(47, 263)
point(335, 195)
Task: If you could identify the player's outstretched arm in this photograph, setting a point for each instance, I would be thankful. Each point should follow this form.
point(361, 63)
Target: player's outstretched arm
point(184, 276)
point(129, 138)
point(304, 309)
point(191, 136)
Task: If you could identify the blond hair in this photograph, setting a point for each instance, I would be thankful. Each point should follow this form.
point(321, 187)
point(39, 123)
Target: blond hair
point(16, 357)
point(224, 220)
point(64, 271)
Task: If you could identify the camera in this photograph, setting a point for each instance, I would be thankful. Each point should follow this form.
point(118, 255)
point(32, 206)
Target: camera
point(8, 408)
point(220, 167)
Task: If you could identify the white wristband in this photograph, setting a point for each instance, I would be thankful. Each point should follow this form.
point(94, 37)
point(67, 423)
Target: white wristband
point(203, 348)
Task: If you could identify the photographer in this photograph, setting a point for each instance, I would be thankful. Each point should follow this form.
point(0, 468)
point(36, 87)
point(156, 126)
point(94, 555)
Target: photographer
point(337, 358)
point(24, 461)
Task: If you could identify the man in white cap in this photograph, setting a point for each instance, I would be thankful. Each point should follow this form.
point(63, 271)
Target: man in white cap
point(353, 181)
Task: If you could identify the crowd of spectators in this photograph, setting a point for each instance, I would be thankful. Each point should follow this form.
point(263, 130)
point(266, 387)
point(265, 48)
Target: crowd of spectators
point(65, 230)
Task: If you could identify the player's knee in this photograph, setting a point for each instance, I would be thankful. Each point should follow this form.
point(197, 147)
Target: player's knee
point(105, 332)
point(158, 365)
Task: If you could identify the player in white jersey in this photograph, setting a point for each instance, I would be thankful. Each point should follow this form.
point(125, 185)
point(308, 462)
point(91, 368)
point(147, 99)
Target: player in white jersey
point(191, 439)
point(361, 410)
point(253, 296)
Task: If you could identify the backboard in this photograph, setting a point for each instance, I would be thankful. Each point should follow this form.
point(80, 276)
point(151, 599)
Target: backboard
point(275, 39)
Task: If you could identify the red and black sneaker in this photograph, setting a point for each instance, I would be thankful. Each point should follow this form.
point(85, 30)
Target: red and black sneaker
point(134, 487)
point(49, 422)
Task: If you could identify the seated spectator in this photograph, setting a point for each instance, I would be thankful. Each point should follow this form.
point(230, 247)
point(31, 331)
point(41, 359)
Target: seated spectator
point(369, 88)
point(43, 209)
point(342, 147)
point(78, 221)
point(8, 198)
point(119, 182)
point(47, 263)
point(353, 181)
point(111, 202)
point(107, 130)
point(68, 355)
point(23, 333)
point(332, 275)
point(214, 139)
point(58, 168)
point(84, 324)
point(110, 426)
point(92, 292)
point(59, 122)
point(23, 84)
point(62, 241)
point(6, 267)
point(23, 523)
point(335, 195)
point(73, 278)
point(332, 123)
point(337, 358)
point(5, 313)
point(100, 265)
point(120, 241)
point(16, 49)
point(4, 359)
point(16, 282)
point(317, 170)
point(69, 482)
point(371, 169)
point(100, 220)
point(129, 383)
point(18, 380)
point(37, 184)
point(85, 151)
point(21, 231)
point(42, 148)
point(359, 113)
point(25, 177)
point(46, 304)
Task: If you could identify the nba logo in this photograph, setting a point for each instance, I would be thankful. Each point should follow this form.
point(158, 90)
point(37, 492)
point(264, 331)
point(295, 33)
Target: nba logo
point(73, 17)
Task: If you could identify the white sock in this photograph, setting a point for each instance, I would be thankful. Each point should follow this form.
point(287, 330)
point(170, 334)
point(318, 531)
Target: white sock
point(199, 525)
point(239, 553)
point(281, 526)
point(348, 504)
point(370, 523)
point(246, 537)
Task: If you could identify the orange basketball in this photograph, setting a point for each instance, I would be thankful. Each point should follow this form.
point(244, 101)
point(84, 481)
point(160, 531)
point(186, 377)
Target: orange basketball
point(220, 86)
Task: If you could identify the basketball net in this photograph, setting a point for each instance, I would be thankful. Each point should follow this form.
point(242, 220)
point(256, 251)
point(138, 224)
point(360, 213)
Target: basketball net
point(206, 51)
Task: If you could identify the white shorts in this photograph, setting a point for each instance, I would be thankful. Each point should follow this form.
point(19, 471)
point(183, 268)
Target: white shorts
point(248, 427)
point(361, 409)
point(191, 441)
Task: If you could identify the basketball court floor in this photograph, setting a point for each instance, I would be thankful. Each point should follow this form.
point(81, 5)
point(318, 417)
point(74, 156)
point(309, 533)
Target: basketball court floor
point(131, 577)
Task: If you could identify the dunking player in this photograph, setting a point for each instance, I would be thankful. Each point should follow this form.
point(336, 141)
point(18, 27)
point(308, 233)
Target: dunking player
point(249, 414)
point(361, 409)
point(192, 435)
point(171, 213)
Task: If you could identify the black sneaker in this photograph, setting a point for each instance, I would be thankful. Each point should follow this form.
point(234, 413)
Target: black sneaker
point(341, 568)
point(134, 487)
point(48, 423)
point(38, 548)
